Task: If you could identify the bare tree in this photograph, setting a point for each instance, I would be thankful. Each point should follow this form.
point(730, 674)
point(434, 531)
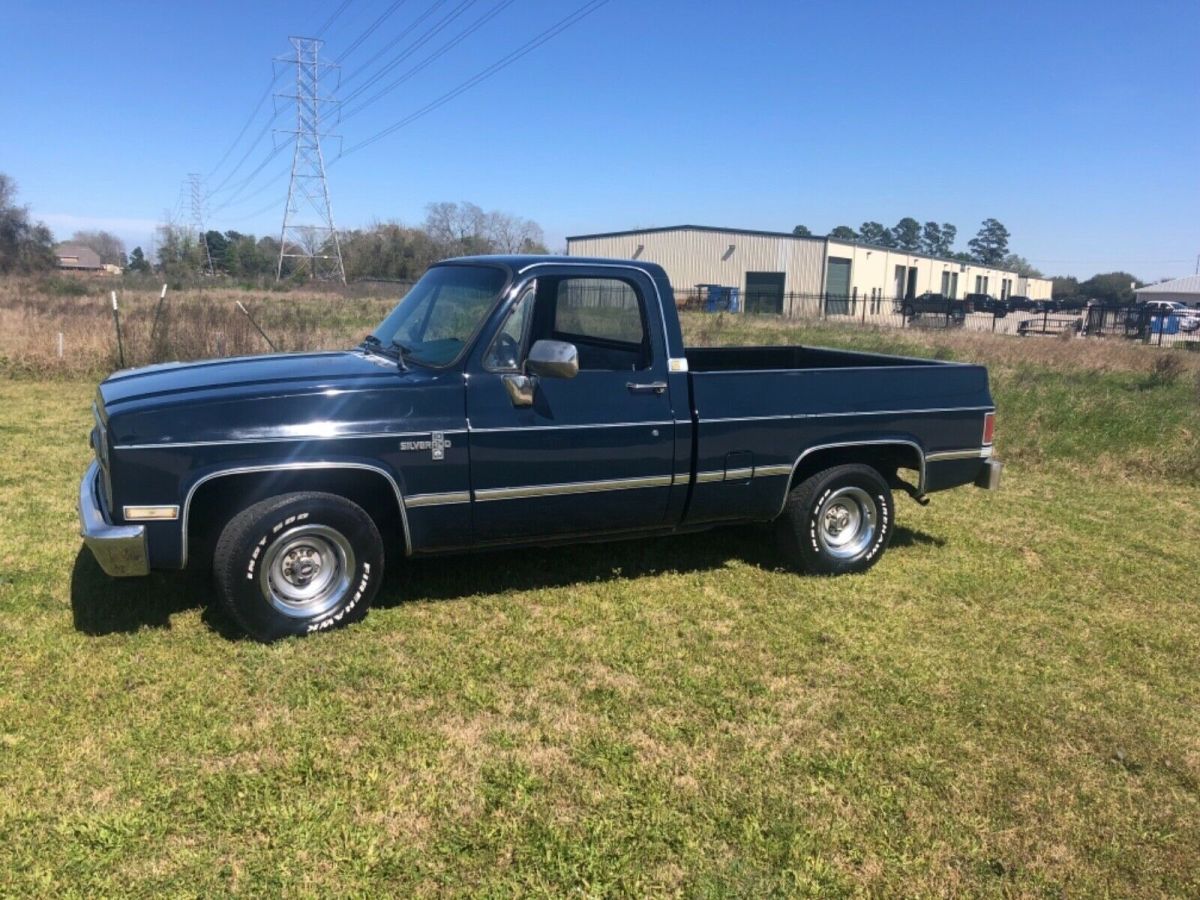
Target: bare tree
point(512, 234)
point(464, 228)
point(109, 247)
point(178, 250)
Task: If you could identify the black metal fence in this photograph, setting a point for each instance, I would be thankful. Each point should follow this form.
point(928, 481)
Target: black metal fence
point(1020, 318)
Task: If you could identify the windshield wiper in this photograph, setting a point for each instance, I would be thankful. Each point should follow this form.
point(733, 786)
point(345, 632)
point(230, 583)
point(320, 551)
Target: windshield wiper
point(401, 350)
point(375, 345)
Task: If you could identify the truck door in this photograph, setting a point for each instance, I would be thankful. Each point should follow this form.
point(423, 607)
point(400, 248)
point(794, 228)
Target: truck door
point(593, 453)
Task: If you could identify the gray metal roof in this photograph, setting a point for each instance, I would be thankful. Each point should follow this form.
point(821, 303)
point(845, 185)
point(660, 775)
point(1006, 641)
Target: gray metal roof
point(77, 256)
point(634, 232)
point(1187, 285)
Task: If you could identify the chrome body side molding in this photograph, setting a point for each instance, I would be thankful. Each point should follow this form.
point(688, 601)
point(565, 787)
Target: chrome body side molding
point(522, 428)
point(841, 415)
point(415, 501)
point(572, 487)
point(288, 439)
point(973, 453)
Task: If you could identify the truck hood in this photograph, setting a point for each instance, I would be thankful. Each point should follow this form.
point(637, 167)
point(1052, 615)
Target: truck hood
point(281, 396)
point(270, 373)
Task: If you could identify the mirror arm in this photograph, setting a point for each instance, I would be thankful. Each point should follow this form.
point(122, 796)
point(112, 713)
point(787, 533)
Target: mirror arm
point(520, 389)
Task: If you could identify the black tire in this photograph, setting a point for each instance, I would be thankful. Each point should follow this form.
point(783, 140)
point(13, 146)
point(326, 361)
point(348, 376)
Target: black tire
point(837, 493)
point(273, 553)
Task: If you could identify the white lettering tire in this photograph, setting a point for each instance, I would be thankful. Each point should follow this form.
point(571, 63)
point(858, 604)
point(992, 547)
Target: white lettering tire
point(298, 563)
point(838, 521)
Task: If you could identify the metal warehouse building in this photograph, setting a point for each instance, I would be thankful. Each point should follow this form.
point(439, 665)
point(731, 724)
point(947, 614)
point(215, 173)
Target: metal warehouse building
point(772, 269)
point(1185, 290)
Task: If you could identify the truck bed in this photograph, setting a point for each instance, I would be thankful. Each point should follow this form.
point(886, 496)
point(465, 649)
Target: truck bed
point(758, 359)
point(757, 410)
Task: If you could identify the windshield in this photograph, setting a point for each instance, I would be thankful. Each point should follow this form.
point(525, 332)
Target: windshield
point(441, 313)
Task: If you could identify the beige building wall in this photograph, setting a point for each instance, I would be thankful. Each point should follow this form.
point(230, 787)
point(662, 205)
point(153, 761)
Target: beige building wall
point(875, 269)
point(693, 256)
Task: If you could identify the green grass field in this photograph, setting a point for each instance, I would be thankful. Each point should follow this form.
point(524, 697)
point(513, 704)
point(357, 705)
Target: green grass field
point(1005, 706)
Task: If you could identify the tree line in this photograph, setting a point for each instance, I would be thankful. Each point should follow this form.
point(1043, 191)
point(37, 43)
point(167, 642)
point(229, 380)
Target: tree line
point(989, 247)
point(25, 246)
point(390, 250)
point(383, 250)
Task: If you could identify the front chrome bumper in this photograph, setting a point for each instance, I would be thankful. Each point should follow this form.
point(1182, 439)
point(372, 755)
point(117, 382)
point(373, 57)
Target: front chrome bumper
point(989, 475)
point(120, 549)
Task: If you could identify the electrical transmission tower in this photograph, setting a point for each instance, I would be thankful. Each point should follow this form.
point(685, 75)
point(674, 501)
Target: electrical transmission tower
point(197, 190)
point(308, 232)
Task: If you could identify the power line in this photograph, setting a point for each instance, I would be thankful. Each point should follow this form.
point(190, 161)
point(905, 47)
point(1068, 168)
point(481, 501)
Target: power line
point(333, 18)
point(357, 42)
point(498, 66)
point(257, 140)
point(432, 58)
point(394, 41)
point(411, 49)
point(241, 200)
point(274, 204)
point(258, 106)
point(241, 185)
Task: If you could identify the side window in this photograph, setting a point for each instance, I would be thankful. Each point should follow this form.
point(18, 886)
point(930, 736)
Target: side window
point(504, 354)
point(605, 319)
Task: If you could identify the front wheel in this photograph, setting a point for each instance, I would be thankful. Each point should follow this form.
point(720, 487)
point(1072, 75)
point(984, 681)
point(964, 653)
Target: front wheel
point(838, 521)
point(298, 563)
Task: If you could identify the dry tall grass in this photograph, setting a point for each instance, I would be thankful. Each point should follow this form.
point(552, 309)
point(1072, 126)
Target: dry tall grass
point(1070, 354)
point(198, 324)
point(190, 325)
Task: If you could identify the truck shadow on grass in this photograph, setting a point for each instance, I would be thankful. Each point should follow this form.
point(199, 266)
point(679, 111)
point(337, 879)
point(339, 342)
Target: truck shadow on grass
point(101, 605)
point(537, 568)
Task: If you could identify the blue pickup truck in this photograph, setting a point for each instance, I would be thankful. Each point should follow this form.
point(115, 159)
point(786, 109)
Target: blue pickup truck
point(512, 401)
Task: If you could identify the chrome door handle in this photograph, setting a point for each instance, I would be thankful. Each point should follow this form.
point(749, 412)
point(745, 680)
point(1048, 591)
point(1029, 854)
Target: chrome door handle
point(654, 387)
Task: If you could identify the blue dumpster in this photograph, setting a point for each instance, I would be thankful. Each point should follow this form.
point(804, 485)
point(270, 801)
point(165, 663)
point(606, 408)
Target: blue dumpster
point(719, 298)
point(1164, 324)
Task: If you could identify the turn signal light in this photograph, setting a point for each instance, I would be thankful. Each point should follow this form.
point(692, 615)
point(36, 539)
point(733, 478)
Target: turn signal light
point(136, 513)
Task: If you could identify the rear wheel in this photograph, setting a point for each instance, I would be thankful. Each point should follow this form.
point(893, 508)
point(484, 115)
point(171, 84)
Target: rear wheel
point(838, 521)
point(298, 563)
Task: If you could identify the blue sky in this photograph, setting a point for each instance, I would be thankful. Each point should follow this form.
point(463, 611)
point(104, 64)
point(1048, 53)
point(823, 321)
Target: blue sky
point(1075, 124)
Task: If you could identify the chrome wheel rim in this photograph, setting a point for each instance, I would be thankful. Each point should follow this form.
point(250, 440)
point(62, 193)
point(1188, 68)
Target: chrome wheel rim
point(846, 523)
point(306, 571)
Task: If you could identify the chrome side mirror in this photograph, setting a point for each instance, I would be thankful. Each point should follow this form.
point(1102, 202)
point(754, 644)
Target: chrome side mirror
point(553, 359)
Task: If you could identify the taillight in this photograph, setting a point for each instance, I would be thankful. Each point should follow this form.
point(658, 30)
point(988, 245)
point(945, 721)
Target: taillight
point(989, 428)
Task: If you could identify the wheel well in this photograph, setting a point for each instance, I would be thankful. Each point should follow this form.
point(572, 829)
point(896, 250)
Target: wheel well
point(219, 499)
point(884, 458)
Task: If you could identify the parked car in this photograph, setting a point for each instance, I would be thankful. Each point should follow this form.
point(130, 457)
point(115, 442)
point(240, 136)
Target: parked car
point(507, 402)
point(1022, 303)
point(1050, 325)
point(932, 305)
point(988, 304)
point(1187, 318)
